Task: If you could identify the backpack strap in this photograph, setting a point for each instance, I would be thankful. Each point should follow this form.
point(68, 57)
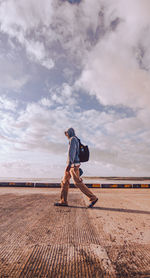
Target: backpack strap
point(78, 139)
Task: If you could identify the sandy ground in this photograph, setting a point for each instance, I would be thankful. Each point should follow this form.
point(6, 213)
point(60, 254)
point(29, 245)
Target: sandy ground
point(40, 240)
point(123, 215)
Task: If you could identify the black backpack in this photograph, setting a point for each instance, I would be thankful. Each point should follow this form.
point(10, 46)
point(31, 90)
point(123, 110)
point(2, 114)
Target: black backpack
point(83, 152)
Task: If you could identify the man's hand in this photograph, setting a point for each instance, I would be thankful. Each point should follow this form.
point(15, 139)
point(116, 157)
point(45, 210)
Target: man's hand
point(68, 168)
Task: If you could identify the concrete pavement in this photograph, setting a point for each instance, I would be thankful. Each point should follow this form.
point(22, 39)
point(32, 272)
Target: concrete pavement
point(40, 240)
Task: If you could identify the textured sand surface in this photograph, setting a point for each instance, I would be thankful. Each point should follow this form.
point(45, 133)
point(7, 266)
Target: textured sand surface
point(40, 240)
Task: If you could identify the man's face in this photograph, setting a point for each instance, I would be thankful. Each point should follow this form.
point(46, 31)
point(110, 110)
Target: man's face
point(66, 133)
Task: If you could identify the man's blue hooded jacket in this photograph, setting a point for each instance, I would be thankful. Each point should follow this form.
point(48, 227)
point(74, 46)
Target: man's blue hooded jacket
point(73, 151)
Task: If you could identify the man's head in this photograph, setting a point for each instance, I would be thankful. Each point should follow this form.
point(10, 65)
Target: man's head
point(70, 132)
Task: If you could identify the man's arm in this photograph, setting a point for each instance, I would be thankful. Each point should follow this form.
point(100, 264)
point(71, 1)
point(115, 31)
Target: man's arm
point(71, 153)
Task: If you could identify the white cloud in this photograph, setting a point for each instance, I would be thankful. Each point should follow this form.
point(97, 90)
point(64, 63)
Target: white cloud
point(112, 71)
point(25, 15)
point(46, 102)
point(63, 95)
point(8, 104)
point(113, 74)
point(21, 20)
point(8, 82)
point(52, 21)
point(40, 168)
point(13, 75)
point(38, 53)
point(110, 41)
point(116, 73)
point(114, 143)
point(77, 28)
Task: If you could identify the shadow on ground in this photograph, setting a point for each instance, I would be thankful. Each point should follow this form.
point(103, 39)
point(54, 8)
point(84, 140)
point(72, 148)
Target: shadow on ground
point(113, 209)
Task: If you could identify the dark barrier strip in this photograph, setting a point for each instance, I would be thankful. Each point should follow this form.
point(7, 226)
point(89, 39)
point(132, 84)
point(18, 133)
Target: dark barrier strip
point(57, 185)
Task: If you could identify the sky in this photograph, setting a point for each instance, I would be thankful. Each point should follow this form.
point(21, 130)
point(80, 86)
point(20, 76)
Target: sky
point(74, 63)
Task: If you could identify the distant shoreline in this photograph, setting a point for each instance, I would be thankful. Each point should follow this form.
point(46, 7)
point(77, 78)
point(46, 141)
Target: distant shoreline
point(117, 178)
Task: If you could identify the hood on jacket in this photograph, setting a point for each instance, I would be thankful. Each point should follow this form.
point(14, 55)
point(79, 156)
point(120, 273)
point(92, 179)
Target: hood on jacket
point(70, 132)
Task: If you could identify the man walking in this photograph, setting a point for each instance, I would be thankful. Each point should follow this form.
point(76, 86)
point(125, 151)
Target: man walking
point(72, 170)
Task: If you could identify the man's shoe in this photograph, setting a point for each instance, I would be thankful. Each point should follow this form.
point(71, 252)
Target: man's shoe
point(92, 203)
point(60, 204)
